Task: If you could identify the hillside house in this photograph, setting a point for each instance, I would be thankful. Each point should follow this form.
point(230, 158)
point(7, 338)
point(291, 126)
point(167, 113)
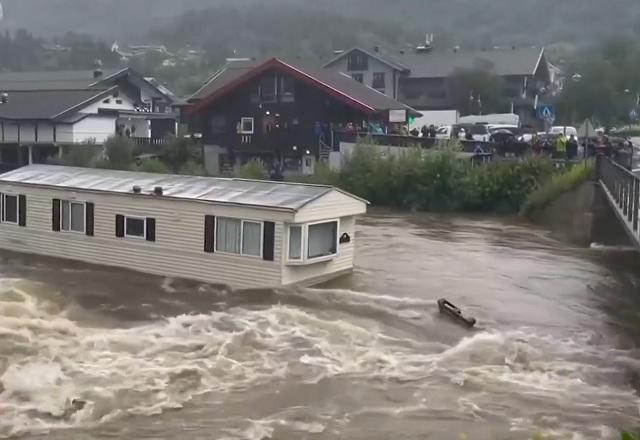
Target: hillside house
point(280, 111)
point(419, 77)
point(40, 112)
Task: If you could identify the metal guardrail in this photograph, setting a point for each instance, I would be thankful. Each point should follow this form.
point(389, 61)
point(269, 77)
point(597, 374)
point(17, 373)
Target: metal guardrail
point(622, 187)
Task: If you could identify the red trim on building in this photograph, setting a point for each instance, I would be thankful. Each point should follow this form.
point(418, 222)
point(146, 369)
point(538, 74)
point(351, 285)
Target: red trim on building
point(280, 65)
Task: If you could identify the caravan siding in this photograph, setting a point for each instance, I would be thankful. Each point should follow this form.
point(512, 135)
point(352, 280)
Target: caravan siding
point(330, 205)
point(177, 252)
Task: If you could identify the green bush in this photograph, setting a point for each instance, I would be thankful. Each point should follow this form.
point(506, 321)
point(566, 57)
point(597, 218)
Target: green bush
point(119, 151)
point(83, 155)
point(254, 169)
point(152, 166)
point(192, 168)
point(556, 185)
point(437, 180)
point(178, 152)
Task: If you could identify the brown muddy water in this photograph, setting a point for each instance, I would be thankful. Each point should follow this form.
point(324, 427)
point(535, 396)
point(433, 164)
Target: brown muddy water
point(556, 350)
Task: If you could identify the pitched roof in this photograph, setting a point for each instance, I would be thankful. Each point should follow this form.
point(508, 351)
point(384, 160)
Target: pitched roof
point(229, 72)
point(338, 85)
point(386, 57)
point(53, 80)
point(48, 104)
point(273, 195)
point(440, 64)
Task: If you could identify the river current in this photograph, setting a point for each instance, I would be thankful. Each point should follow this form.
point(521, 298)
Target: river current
point(368, 356)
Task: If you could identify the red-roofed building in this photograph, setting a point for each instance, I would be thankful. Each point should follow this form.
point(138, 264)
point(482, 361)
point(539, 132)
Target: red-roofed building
point(282, 112)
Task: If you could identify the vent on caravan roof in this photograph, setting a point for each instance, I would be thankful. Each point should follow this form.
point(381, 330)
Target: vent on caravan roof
point(157, 190)
point(137, 189)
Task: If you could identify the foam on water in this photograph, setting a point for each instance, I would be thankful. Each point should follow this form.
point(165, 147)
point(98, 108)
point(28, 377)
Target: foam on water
point(162, 365)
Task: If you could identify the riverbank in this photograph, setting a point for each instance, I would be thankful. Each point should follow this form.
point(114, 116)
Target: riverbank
point(441, 182)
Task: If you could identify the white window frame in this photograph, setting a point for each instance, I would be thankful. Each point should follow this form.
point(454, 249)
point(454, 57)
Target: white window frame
point(84, 215)
point(253, 125)
point(144, 229)
point(4, 209)
point(305, 243)
point(242, 222)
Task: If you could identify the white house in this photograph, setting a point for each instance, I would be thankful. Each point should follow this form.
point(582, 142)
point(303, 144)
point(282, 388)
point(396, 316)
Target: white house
point(42, 111)
point(241, 233)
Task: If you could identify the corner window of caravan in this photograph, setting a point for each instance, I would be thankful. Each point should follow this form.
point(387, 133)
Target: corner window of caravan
point(312, 243)
point(72, 216)
point(322, 240)
point(135, 227)
point(10, 209)
point(241, 237)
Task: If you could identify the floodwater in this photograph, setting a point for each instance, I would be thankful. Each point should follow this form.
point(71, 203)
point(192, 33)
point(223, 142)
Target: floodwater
point(556, 350)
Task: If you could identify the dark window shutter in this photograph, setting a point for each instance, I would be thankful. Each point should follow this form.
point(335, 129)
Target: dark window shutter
point(119, 225)
point(209, 233)
point(151, 229)
point(22, 210)
point(1, 207)
point(89, 214)
point(55, 215)
point(268, 241)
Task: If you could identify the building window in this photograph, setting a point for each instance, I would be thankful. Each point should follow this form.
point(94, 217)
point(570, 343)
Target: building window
point(358, 77)
point(268, 89)
point(247, 125)
point(378, 81)
point(357, 61)
point(10, 209)
point(287, 89)
point(135, 227)
point(322, 240)
point(295, 243)
point(242, 237)
point(72, 217)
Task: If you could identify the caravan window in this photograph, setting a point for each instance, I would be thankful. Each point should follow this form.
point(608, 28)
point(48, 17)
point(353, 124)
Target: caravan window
point(72, 217)
point(10, 209)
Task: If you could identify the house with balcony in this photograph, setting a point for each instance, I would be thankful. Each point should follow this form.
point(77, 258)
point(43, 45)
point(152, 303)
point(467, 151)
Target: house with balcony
point(419, 77)
point(283, 113)
point(41, 112)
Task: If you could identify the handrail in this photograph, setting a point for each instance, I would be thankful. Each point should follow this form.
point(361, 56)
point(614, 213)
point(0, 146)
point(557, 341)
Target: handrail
point(623, 190)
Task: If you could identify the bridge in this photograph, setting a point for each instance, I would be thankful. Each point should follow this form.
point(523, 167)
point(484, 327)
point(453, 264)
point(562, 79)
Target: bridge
point(622, 188)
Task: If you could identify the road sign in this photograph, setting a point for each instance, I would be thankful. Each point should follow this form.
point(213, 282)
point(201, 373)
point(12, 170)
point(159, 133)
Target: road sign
point(546, 112)
point(586, 130)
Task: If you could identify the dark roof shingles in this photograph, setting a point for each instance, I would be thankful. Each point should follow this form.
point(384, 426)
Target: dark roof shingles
point(44, 105)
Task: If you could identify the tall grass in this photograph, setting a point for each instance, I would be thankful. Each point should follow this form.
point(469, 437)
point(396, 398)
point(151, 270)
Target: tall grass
point(557, 185)
point(436, 181)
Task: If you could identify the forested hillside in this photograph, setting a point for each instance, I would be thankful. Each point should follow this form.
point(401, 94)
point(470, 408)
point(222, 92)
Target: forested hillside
point(466, 21)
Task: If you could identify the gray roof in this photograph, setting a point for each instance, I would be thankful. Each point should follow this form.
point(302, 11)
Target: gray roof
point(273, 195)
point(229, 72)
point(52, 80)
point(440, 64)
point(336, 81)
point(47, 105)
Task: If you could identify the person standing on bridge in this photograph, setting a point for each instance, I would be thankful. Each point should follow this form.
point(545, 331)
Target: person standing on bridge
point(572, 148)
point(561, 146)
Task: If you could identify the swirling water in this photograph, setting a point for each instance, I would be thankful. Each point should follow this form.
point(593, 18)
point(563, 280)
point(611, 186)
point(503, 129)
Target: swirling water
point(556, 350)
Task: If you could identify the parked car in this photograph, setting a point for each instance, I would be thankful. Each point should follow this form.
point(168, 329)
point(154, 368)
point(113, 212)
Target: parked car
point(444, 132)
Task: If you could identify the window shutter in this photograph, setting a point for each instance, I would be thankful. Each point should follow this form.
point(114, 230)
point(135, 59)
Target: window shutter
point(55, 215)
point(22, 210)
point(209, 233)
point(151, 229)
point(89, 208)
point(119, 225)
point(1, 207)
point(268, 241)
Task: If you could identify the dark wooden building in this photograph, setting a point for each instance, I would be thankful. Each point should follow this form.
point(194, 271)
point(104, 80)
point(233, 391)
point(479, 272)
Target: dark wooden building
point(282, 113)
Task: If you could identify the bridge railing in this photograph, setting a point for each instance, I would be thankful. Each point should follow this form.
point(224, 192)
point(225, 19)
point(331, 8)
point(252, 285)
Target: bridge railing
point(623, 189)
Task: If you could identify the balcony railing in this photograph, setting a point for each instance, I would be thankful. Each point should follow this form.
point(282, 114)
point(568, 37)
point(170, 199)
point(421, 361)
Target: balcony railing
point(151, 141)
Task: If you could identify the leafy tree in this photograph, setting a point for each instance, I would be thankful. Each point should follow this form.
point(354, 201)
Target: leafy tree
point(177, 153)
point(476, 90)
point(119, 152)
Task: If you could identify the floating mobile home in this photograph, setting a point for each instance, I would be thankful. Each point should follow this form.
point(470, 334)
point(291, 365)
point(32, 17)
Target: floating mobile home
point(240, 233)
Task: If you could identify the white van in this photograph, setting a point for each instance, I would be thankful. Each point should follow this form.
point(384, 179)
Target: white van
point(567, 130)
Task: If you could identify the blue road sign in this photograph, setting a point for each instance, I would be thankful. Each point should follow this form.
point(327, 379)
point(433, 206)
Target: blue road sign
point(546, 112)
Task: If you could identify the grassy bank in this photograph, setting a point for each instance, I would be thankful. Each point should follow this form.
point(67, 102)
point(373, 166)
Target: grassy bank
point(438, 181)
point(555, 186)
